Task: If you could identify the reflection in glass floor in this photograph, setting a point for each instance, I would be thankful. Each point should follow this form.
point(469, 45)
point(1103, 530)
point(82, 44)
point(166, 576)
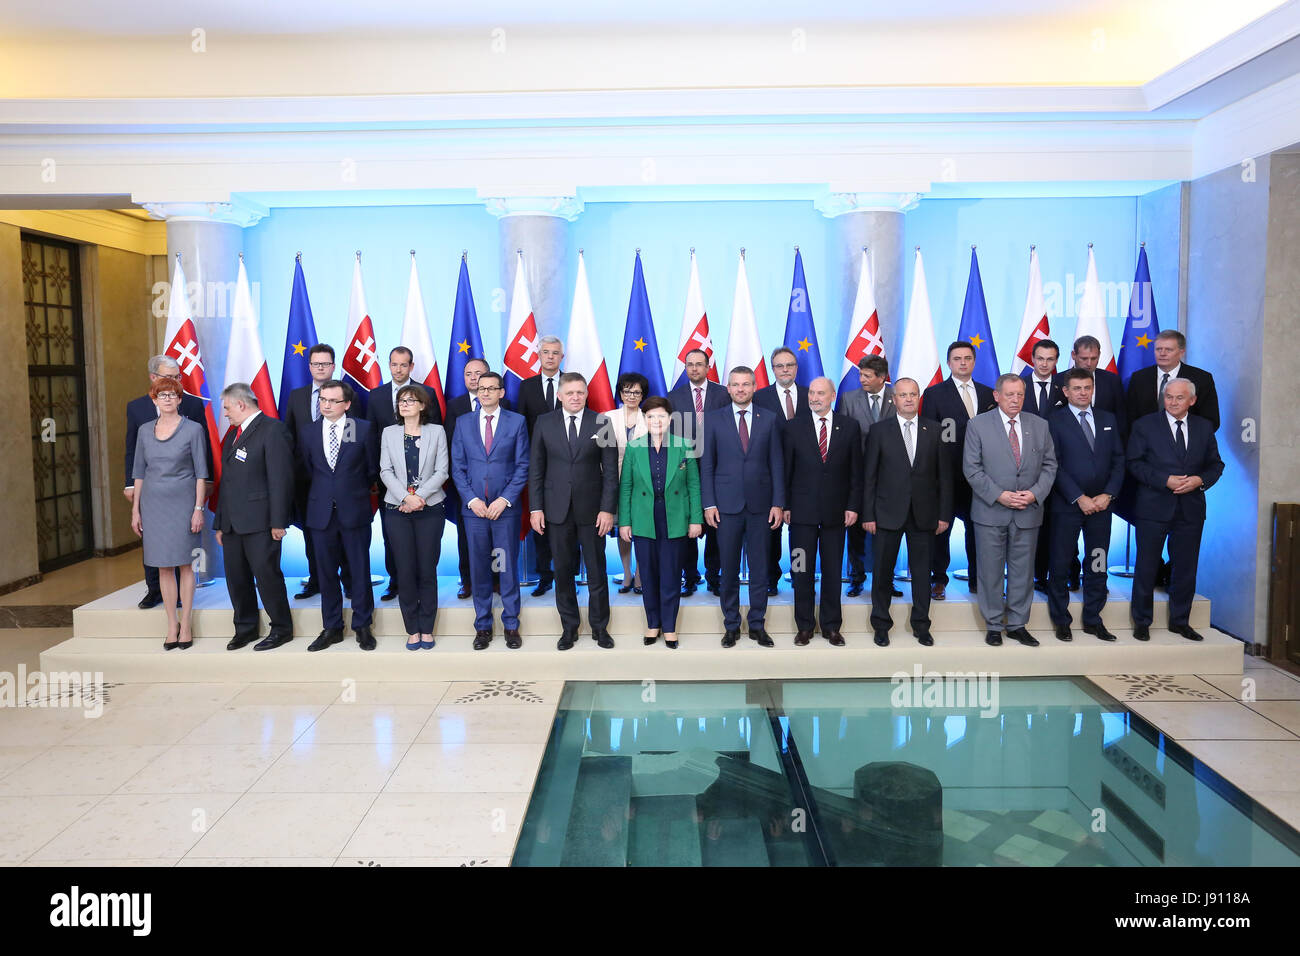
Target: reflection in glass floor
point(1046, 772)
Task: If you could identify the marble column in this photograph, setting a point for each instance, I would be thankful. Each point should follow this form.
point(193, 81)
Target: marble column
point(540, 227)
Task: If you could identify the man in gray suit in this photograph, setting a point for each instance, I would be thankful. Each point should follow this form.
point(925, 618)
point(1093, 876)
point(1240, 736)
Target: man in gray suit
point(1010, 462)
point(866, 405)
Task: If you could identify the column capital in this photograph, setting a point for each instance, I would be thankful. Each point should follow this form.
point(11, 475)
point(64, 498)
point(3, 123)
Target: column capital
point(836, 203)
point(563, 203)
point(235, 212)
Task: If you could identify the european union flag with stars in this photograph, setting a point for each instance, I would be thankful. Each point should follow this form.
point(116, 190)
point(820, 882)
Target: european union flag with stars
point(295, 372)
point(466, 343)
point(1142, 325)
point(800, 333)
point(975, 327)
point(640, 347)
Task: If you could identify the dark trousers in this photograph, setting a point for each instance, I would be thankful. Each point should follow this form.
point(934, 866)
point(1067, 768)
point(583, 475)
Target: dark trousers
point(494, 547)
point(1184, 536)
point(1043, 556)
point(920, 544)
point(659, 560)
point(861, 554)
point(462, 550)
point(808, 543)
point(751, 531)
point(691, 558)
point(332, 543)
point(565, 538)
point(253, 560)
point(941, 554)
point(1064, 547)
point(151, 579)
point(414, 540)
point(542, 549)
point(342, 571)
point(774, 556)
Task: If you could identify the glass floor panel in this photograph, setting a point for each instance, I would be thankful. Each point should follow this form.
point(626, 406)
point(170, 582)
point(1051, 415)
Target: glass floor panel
point(1016, 772)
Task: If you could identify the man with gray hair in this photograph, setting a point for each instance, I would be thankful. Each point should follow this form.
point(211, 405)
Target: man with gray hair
point(537, 396)
point(141, 411)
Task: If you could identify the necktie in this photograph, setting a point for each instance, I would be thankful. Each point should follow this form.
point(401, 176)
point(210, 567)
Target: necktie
point(967, 400)
point(1042, 396)
point(334, 444)
point(821, 440)
point(315, 404)
point(744, 434)
point(476, 406)
point(875, 408)
point(1164, 380)
point(907, 440)
point(1015, 443)
point(550, 394)
point(573, 434)
point(395, 390)
point(1180, 440)
point(789, 405)
point(1087, 429)
point(487, 435)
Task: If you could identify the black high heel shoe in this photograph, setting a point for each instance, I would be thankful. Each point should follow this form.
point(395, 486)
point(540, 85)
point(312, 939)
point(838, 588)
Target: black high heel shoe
point(185, 645)
point(625, 589)
point(671, 645)
point(170, 644)
point(650, 639)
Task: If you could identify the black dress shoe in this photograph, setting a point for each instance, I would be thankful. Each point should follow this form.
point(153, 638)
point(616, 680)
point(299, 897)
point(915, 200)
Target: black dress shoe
point(938, 592)
point(924, 639)
point(513, 640)
point(542, 588)
point(1063, 632)
point(272, 641)
point(895, 592)
point(1184, 631)
point(713, 589)
point(462, 592)
point(1023, 636)
point(761, 638)
point(1098, 631)
point(834, 637)
point(389, 594)
point(482, 639)
point(773, 589)
point(310, 589)
point(240, 641)
point(331, 635)
point(567, 639)
point(1040, 587)
point(881, 638)
point(1141, 632)
point(688, 590)
point(1072, 584)
point(625, 589)
point(993, 638)
point(365, 639)
point(803, 638)
point(729, 639)
point(973, 588)
point(151, 599)
point(602, 639)
point(855, 589)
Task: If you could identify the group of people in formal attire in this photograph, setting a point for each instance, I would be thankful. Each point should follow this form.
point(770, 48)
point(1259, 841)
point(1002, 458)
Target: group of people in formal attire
point(1028, 465)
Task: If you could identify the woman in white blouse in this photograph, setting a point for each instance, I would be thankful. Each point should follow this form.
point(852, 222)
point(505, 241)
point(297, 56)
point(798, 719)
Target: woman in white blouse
point(627, 421)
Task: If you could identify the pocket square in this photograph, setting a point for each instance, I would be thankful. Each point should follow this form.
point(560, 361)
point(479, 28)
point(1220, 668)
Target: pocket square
point(1106, 428)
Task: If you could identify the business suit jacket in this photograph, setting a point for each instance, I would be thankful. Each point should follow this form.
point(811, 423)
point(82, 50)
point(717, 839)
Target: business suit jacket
point(257, 489)
point(893, 487)
point(752, 481)
point(772, 397)
point(142, 411)
point(501, 474)
point(435, 464)
point(1142, 400)
point(462, 405)
point(379, 407)
point(857, 405)
point(564, 482)
point(636, 499)
point(346, 487)
point(819, 492)
point(990, 468)
point(1153, 457)
point(296, 417)
point(1107, 395)
point(682, 398)
point(532, 399)
point(1084, 470)
point(1055, 396)
point(942, 402)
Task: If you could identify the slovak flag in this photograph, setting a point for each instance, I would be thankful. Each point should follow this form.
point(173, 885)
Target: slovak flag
point(360, 356)
point(695, 330)
point(522, 359)
point(585, 354)
point(919, 357)
point(864, 330)
point(415, 336)
point(743, 346)
point(244, 359)
point(182, 344)
point(1092, 316)
point(1033, 325)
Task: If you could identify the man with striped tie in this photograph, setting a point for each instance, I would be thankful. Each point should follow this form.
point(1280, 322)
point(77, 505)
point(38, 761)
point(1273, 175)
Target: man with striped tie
point(871, 403)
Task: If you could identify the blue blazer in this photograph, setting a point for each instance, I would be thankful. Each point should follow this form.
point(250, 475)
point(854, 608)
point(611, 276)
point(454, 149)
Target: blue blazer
point(503, 473)
point(347, 486)
point(1081, 470)
point(1152, 458)
point(753, 482)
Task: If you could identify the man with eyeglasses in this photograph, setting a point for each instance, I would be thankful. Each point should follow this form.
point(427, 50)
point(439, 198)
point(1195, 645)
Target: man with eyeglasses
point(538, 395)
point(787, 398)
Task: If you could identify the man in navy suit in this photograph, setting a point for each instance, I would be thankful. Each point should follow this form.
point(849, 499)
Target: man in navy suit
point(1174, 457)
point(743, 460)
point(953, 403)
point(489, 463)
point(341, 457)
point(1108, 390)
point(691, 401)
point(1042, 397)
point(538, 395)
point(1145, 385)
point(1089, 475)
point(142, 411)
point(788, 399)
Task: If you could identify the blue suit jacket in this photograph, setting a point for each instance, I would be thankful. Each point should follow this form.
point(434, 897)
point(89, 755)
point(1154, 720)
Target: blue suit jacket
point(1081, 470)
point(346, 487)
point(501, 474)
point(1153, 457)
point(733, 481)
point(1107, 394)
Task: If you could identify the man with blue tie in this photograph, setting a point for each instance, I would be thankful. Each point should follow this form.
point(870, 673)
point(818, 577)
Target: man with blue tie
point(742, 488)
point(341, 458)
point(1089, 475)
point(489, 464)
point(1174, 457)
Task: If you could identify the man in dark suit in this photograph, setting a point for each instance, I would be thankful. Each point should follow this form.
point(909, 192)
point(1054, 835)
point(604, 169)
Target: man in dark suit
point(867, 405)
point(537, 396)
point(573, 497)
point(142, 411)
point(341, 455)
point(691, 401)
point(823, 479)
point(1089, 475)
point(1146, 384)
point(1174, 457)
point(1042, 397)
point(302, 410)
point(253, 510)
point(953, 403)
point(907, 490)
point(1107, 389)
point(742, 489)
point(787, 398)
point(489, 463)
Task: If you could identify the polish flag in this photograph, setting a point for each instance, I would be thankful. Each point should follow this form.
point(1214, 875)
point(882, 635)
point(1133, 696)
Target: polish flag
point(919, 357)
point(244, 359)
point(864, 330)
point(360, 356)
point(522, 359)
point(743, 346)
point(585, 354)
point(1034, 325)
point(415, 336)
point(1092, 316)
point(181, 342)
point(695, 330)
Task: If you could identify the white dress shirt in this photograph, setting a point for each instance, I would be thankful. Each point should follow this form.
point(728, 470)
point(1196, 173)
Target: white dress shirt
point(325, 430)
point(962, 393)
point(555, 388)
point(1173, 428)
point(829, 419)
point(1160, 377)
point(790, 391)
point(248, 421)
point(902, 430)
point(749, 417)
point(482, 424)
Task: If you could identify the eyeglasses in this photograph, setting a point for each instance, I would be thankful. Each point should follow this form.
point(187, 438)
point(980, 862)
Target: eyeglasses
point(631, 391)
point(332, 401)
point(489, 389)
point(322, 364)
point(409, 401)
point(784, 365)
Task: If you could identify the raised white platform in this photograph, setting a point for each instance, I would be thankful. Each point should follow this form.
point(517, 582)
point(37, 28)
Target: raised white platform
point(114, 637)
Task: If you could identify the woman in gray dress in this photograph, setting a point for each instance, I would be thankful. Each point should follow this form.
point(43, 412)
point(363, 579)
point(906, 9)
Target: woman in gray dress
point(170, 485)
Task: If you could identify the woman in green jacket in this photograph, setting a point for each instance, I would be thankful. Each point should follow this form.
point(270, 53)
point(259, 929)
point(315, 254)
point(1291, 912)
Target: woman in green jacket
point(659, 508)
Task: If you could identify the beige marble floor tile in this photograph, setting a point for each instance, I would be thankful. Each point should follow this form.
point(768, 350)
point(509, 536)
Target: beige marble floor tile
point(485, 724)
point(368, 723)
point(307, 767)
point(1253, 765)
point(80, 770)
point(267, 825)
point(1209, 720)
point(509, 692)
point(1135, 687)
point(1284, 712)
point(33, 727)
point(11, 758)
point(467, 768)
point(191, 861)
point(394, 693)
point(139, 826)
point(27, 823)
point(1270, 684)
point(1285, 803)
point(252, 724)
point(205, 768)
point(152, 864)
point(308, 692)
point(417, 861)
point(196, 696)
point(139, 725)
point(483, 825)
